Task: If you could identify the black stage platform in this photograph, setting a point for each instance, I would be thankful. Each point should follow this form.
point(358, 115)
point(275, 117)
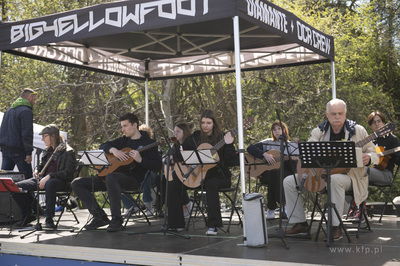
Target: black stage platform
point(379, 247)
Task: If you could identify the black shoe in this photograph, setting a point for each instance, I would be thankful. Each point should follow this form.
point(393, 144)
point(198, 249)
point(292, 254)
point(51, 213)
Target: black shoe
point(97, 222)
point(49, 224)
point(115, 225)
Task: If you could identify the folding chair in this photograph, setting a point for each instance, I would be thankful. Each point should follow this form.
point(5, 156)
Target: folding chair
point(364, 215)
point(63, 199)
point(226, 191)
point(387, 190)
point(137, 202)
point(199, 205)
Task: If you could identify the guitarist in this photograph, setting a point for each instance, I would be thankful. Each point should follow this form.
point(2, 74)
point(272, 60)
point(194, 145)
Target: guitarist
point(382, 174)
point(272, 177)
point(58, 174)
point(336, 128)
point(115, 182)
point(216, 178)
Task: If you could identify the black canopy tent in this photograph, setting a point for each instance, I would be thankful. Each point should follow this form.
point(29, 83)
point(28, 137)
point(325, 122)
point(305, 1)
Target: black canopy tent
point(160, 39)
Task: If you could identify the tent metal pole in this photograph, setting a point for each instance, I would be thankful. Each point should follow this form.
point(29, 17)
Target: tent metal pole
point(333, 80)
point(239, 111)
point(146, 96)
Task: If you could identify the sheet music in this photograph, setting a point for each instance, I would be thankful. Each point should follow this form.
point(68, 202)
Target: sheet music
point(95, 157)
point(190, 157)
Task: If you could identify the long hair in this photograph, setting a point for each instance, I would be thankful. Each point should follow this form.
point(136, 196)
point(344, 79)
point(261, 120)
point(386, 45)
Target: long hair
point(144, 127)
point(186, 132)
point(371, 116)
point(216, 132)
point(284, 130)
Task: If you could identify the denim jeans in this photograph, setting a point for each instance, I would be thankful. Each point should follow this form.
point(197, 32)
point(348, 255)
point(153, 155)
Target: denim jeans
point(11, 158)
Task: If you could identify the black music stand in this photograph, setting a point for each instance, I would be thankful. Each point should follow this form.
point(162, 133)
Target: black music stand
point(198, 158)
point(92, 159)
point(329, 155)
point(251, 164)
point(165, 227)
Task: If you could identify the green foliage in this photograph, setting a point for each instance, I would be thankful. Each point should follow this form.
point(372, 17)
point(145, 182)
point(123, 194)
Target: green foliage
point(87, 105)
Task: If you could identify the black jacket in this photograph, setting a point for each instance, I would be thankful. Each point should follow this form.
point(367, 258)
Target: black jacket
point(151, 158)
point(16, 133)
point(227, 156)
point(66, 163)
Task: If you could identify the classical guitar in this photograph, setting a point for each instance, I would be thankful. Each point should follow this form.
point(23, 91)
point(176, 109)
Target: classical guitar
point(384, 156)
point(258, 166)
point(191, 175)
point(314, 181)
point(121, 166)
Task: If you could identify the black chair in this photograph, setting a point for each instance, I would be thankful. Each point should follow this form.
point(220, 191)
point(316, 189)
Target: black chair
point(65, 201)
point(199, 208)
point(135, 197)
point(387, 190)
point(363, 217)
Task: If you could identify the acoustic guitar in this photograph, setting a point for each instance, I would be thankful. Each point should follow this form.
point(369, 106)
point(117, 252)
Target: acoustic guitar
point(192, 175)
point(384, 156)
point(314, 181)
point(121, 166)
point(258, 166)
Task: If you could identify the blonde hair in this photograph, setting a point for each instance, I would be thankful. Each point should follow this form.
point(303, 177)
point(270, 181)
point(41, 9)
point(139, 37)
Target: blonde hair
point(146, 128)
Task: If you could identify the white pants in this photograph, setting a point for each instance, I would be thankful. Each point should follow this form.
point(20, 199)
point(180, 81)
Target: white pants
point(340, 183)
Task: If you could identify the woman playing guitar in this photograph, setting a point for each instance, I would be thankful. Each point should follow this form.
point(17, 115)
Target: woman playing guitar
point(215, 178)
point(269, 151)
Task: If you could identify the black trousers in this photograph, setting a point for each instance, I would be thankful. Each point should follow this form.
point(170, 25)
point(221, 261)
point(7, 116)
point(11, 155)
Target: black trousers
point(114, 184)
point(175, 201)
point(52, 186)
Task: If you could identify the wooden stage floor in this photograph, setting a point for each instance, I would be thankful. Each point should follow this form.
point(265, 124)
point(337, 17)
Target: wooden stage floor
point(152, 247)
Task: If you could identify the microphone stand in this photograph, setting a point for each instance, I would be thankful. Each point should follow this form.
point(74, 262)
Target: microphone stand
point(38, 226)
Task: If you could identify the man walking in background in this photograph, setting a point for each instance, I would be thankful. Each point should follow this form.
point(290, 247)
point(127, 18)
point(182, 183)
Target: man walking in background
point(16, 134)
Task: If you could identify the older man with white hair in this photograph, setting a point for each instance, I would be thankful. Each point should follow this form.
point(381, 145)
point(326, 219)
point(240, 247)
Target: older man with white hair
point(336, 128)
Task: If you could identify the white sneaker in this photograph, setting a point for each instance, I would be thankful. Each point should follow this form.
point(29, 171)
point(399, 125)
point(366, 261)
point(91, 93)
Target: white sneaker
point(270, 214)
point(135, 210)
point(149, 208)
point(213, 231)
point(187, 209)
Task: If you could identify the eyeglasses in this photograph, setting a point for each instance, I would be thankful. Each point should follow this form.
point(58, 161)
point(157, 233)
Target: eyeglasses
point(376, 122)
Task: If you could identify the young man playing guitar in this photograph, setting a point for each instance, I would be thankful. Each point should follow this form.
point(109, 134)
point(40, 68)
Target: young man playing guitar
point(382, 173)
point(336, 128)
point(122, 178)
point(54, 172)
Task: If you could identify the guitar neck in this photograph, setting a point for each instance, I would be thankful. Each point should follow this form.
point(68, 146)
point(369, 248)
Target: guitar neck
point(381, 154)
point(362, 142)
point(152, 145)
point(221, 143)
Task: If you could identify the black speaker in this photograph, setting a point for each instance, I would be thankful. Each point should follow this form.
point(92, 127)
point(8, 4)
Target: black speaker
point(14, 206)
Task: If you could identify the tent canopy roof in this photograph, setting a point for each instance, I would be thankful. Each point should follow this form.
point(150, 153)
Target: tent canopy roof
point(159, 39)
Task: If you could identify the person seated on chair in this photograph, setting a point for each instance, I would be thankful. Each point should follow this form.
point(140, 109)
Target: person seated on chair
point(55, 175)
point(115, 182)
point(336, 128)
point(272, 177)
point(149, 195)
point(382, 173)
point(181, 132)
point(215, 178)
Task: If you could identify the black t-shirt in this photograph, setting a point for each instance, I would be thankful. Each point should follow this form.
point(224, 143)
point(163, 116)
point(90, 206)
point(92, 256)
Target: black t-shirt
point(338, 136)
